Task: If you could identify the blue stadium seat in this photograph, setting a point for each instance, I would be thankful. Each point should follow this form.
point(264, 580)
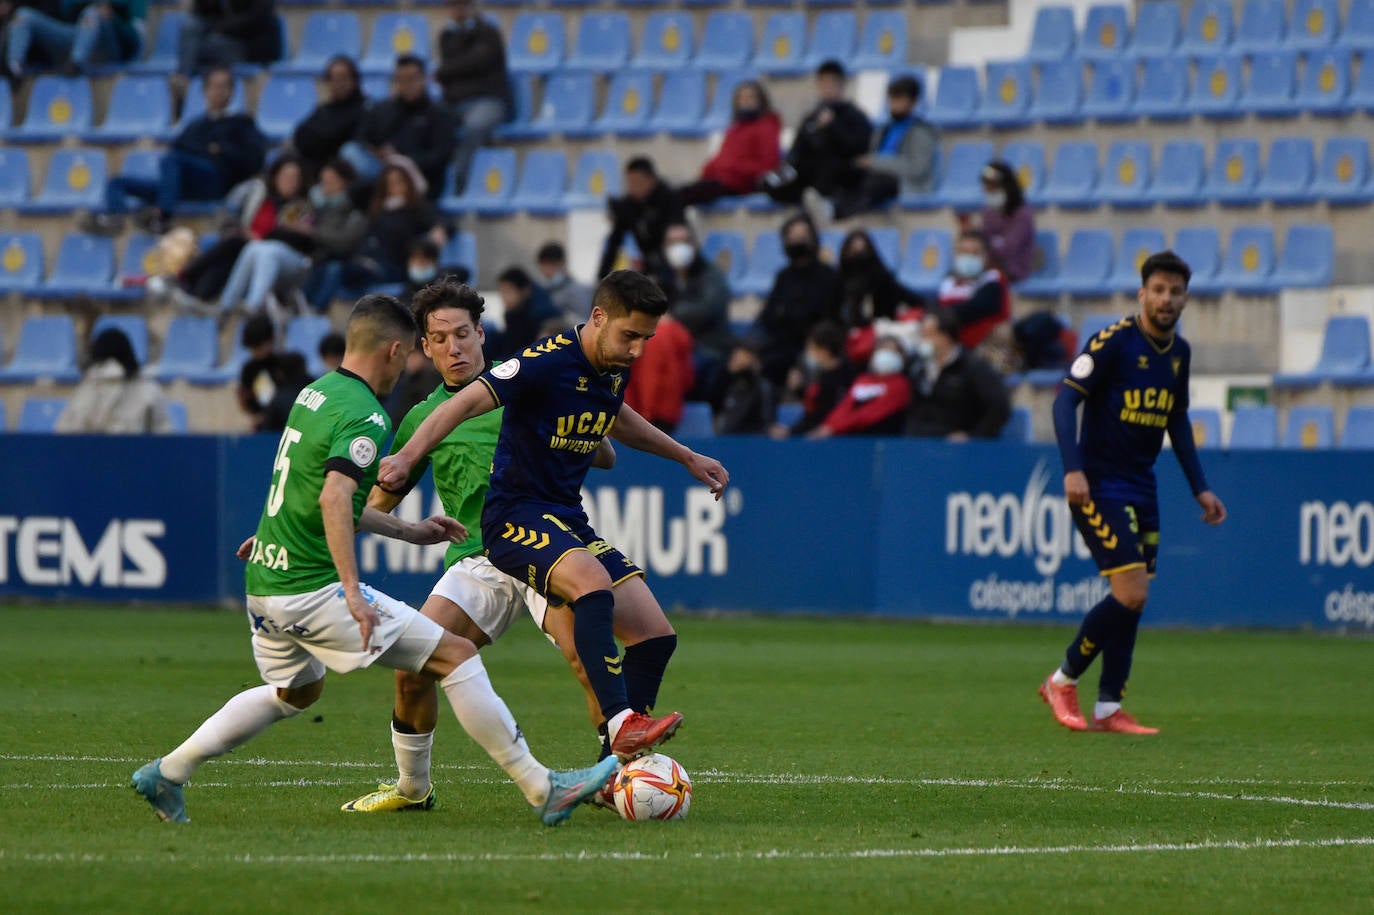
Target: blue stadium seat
point(834, 36)
point(1359, 428)
point(1344, 354)
point(1343, 174)
point(666, 42)
point(284, 103)
point(1027, 159)
point(1249, 265)
point(1087, 263)
point(567, 105)
point(1105, 33)
point(1206, 423)
point(1111, 90)
point(1135, 246)
point(1164, 91)
point(957, 102)
point(1007, 100)
point(782, 45)
point(176, 416)
point(325, 34)
point(1234, 172)
point(727, 251)
point(1126, 175)
point(830, 245)
point(14, 177)
point(882, 44)
point(1272, 85)
point(681, 104)
point(1059, 93)
point(58, 107)
point(39, 415)
point(1158, 27)
point(628, 102)
point(887, 242)
point(927, 259)
point(1288, 173)
point(1325, 85)
point(1261, 28)
point(1179, 175)
point(1200, 246)
point(1073, 176)
point(377, 86)
point(519, 124)
point(1209, 28)
point(1216, 90)
point(6, 108)
point(720, 112)
point(189, 350)
point(1308, 260)
point(1044, 280)
point(140, 106)
point(1314, 25)
point(21, 261)
point(46, 349)
point(543, 183)
point(603, 43)
point(303, 335)
point(596, 177)
point(1309, 428)
point(1053, 34)
point(490, 184)
point(162, 58)
point(394, 34)
point(194, 104)
point(789, 414)
point(1093, 324)
point(132, 273)
point(765, 260)
point(133, 326)
point(537, 43)
point(727, 41)
point(4, 421)
point(1358, 33)
point(75, 181)
point(696, 421)
point(84, 266)
point(1018, 427)
point(960, 186)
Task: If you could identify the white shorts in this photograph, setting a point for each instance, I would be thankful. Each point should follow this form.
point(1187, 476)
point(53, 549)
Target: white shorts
point(296, 636)
point(490, 597)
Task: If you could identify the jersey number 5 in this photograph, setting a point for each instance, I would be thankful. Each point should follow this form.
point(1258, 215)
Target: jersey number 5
point(280, 468)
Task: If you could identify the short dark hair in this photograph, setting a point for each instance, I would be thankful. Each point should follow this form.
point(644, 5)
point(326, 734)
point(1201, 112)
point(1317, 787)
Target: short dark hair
point(113, 343)
point(622, 292)
point(946, 322)
point(795, 218)
point(446, 292)
point(257, 330)
point(411, 60)
point(906, 86)
point(346, 61)
point(1165, 261)
point(425, 247)
point(642, 164)
point(518, 277)
point(332, 344)
point(829, 336)
point(831, 67)
point(377, 320)
point(552, 253)
point(343, 168)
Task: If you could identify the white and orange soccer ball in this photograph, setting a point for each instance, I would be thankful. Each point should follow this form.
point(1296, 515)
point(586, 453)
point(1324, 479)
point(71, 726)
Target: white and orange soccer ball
point(653, 787)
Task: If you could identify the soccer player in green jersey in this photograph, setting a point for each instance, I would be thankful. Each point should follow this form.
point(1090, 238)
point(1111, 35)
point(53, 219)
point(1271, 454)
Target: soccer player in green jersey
point(473, 599)
point(309, 611)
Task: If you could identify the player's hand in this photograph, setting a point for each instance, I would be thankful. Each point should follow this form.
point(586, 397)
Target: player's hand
point(1213, 512)
point(958, 437)
point(394, 471)
point(1076, 487)
point(245, 549)
point(438, 529)
point(363, 612)
point(709, 471)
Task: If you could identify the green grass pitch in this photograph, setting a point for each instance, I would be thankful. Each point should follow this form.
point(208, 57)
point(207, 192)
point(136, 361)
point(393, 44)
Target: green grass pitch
point(839, 766)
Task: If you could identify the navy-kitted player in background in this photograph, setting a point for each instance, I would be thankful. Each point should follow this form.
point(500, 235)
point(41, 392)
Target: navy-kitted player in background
point(562, 396)
point(1132, 380)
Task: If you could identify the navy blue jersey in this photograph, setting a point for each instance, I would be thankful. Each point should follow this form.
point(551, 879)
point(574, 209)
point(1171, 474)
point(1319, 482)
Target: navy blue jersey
point(558, 409)
point(1133, 388)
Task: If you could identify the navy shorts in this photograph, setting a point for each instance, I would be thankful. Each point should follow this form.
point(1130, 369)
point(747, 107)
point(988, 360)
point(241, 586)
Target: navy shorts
point(1121, 534)
point(526, 544)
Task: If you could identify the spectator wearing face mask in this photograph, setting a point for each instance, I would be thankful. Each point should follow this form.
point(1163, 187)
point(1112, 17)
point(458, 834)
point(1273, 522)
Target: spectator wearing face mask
point(822, 379)
point(870, 289)
point(975, 292)
point(744, 402)
point(698, 294)
point(901, 157)
point(528, 312)
point(749, 150)
point(877, 401)
point(958, 395)
point(422, 265)
point(644, 213)
point(1006, 222)
point(572, 298)
point(805, 292)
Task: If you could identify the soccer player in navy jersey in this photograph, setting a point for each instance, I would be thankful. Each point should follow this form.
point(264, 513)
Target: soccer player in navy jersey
point(1132, 381)
point(562, 396)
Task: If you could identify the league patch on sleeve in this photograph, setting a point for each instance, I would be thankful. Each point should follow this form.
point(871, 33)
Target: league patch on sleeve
point(507, 370)
point(1082, 367)
point(363, 451)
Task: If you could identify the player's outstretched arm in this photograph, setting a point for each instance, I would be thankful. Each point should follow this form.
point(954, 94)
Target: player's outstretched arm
point(431, 530)
point(473, 400)
point(336, 510)
point(634, 430)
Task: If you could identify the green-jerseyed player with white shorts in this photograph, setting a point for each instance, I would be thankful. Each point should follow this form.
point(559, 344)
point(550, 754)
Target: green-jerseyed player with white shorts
point(309, 611)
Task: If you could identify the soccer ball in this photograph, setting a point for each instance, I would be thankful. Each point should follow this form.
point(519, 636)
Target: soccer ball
point(652, 787)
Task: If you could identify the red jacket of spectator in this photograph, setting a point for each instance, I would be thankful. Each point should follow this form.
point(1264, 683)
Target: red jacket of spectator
point(663, 374)
point(874, 405)
point(750, 150)
point(981, 303)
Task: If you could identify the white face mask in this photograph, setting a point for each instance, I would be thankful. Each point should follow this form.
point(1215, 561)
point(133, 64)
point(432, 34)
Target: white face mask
point(968, 265)
point(885, 362)
point(393, 202)
point(925, 349)
point(995, 200)
point(680, 255)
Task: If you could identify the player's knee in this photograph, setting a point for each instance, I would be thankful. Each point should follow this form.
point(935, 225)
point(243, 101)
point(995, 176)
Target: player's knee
point(301, 697)
point(1133, 598)
point(452, 651)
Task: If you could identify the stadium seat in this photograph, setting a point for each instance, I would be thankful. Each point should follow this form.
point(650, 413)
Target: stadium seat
point(727, 41)
point(1179, 175)
point(325, 34)
point(1073, 176)
point(1314, 24)
point(284, 103)
point(696, 421)
point(834, 36)
point(596, 177)
point(1249, 265)
point(162, 58)
point(1261, 28)
point(960, 186)
point(1216, 90)
point(537, 43)
point(1044, 280)
point(1361, 96)
point(14, 177)
point(140, 106)
point(957, 101)
point(58, 107)
point(303, 335)
point(1288, 173)
point(189, 350)
point(1058, 93)
point(1027, 159)
point(1325, 85)
point(6, 108)
point(1310, 428)
point(1234, 172)
point(1208, 30)
point(765, 260)
point(1018, 427)
point(628, 102)
point(1272, 85)
point(789, 414)
point(887, 242)
point(1111, 90)
point(84, 266)
point(75, 181)
point(681, 104)
point(490, 184)
point(1158, 26)
point(39, 415)
point(882, 44)
point(377, 86)
point(1206, 422)
point(1135, 246)
point(666, 42)
point(1200, 246)
point(1359, 428)
point(519, 124)
point(133, 326)
point(721, 112)
point(1053, 34)
point(1343, 174)
point(1358, 33)
point(782, 45)
point(1087, 263)
point(1007, 101)
point(394, 34)
point(567, 105)
point(1344, 355)
point(46, 349)
point(727, 251)
point(926, 261)
point(603, 43)
point(1164, 91)
point(21, 261)
point(132, 274)
point(543, 183)
point(1105, 33)
point(176, 416)
point(1126, 175)
point(4, 421)
point(1308, 259)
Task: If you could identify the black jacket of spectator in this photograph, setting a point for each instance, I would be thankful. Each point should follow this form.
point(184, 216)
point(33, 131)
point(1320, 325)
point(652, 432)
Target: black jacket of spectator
point(472, 63)
point(422, 130)
point(967, 396)
point(871, 291)
point(802, 296)
point(821, 395)
point(701, 301)
point(391, 232)
point(319, 137)
point(824, 156)
point(648, 221)
point(240, 146)
point(524, 325)
point(744, 404)
point(253, 22)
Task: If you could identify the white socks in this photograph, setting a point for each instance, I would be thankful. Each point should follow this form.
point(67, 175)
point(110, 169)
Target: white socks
point(613, 726)
point(1104, 710)
point(1059, 678)
point(487, 720)
point(240, 719)
point(412, 762)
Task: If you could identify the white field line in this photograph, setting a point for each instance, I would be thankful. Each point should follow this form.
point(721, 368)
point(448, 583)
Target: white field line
point(772, 854)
